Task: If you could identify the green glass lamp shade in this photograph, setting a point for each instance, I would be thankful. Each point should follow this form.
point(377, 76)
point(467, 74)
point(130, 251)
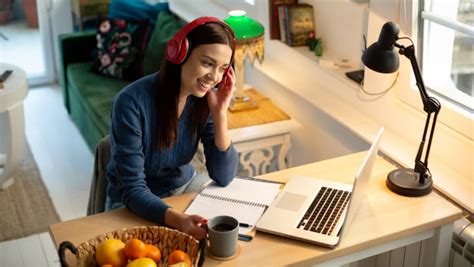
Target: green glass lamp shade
point(243, 26)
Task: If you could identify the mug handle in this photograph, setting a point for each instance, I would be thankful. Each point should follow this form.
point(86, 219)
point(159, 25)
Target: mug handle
point(62, 252)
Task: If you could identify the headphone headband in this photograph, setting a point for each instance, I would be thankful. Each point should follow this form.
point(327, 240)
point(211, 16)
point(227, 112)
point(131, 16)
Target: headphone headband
point(178, 47)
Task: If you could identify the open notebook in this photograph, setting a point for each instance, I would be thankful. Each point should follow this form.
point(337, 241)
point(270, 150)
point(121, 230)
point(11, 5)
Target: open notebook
point(244, 199)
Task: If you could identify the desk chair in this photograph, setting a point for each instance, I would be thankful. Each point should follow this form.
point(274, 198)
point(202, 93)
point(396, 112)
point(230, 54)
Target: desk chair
point(98, 191)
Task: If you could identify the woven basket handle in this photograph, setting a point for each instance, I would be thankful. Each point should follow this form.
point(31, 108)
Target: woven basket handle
point(202, 251)
point(62, 251)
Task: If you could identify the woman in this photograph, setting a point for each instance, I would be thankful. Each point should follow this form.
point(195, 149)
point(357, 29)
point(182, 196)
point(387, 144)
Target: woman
point(158, 121)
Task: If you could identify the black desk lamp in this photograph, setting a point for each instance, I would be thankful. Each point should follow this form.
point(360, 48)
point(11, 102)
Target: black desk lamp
point(382, 57)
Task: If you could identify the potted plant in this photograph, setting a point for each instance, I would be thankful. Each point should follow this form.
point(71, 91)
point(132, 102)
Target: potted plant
point(5, 10)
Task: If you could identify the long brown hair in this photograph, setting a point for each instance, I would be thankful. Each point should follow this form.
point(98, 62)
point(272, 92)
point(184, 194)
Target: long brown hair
point(169, 84)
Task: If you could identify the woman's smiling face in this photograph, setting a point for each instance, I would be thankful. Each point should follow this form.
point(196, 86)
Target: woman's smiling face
point(204, 69)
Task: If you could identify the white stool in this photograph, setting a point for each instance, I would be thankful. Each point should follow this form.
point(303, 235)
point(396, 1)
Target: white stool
point(12, 123)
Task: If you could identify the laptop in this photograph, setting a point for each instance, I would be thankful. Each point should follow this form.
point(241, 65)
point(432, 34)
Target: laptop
point(318, 211)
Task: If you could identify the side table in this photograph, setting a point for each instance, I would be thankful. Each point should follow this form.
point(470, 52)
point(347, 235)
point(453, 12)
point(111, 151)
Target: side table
point(261, 137)
point(12, 122)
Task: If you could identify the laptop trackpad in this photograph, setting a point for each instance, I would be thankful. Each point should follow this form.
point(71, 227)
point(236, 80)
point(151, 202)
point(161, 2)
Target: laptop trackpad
point(290, 201)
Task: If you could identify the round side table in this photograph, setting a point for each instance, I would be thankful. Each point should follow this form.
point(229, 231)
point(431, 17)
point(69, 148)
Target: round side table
point(12, 122)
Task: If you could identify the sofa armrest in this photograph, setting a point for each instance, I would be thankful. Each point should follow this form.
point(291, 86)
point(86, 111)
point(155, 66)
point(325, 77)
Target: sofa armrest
point(73, 48)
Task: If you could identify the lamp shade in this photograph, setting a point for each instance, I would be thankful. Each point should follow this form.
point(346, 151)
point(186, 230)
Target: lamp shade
point(244, 27)
point(250, 45)
point(381, 55)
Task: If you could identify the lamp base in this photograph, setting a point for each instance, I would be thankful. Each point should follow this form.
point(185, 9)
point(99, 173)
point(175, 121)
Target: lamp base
point(242, 103)
point(406, 182)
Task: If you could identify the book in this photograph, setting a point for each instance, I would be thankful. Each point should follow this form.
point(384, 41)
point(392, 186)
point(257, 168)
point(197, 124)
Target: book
point(282, 16)
point(274, 18)
point(300, 23)
point(244, 199)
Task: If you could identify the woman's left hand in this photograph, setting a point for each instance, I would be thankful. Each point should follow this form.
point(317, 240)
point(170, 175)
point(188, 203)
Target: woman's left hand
point(219, 100)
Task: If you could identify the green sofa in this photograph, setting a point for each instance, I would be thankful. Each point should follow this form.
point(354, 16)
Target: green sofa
point(88, 96)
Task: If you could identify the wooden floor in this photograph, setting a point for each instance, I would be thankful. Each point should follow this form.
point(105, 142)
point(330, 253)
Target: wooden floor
point(65, 164)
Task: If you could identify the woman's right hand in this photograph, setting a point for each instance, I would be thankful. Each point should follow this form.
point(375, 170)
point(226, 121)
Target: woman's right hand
point(193, 225)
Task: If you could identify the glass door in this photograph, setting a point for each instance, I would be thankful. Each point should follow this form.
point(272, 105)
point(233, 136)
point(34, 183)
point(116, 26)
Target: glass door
point(25, 38)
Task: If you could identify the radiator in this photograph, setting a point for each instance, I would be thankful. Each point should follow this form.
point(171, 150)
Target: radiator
point(462, 246)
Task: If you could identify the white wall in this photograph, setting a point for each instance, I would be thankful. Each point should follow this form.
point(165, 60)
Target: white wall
point(61, 22)
point(341, 24)
point(321, 137)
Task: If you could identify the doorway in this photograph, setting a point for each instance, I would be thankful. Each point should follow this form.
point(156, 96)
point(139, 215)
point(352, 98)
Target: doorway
point(25, 38)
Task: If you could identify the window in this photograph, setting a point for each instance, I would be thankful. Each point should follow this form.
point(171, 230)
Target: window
point(443, 31)
point(447, 31)
point(236, 4)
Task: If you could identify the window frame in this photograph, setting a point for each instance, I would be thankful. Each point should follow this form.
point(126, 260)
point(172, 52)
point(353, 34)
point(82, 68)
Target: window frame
point(235, 4)
point(452, 115)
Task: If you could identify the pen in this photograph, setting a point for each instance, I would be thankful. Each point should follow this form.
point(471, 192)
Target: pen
point(246, 238)
point(259, 180)
point(244, 225)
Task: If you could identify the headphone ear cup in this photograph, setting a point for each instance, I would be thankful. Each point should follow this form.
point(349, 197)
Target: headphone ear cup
point(183, 51)
point(176, 51)
point(172, 50)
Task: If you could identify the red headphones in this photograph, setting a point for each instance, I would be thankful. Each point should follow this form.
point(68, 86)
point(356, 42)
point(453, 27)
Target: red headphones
point(178, 47)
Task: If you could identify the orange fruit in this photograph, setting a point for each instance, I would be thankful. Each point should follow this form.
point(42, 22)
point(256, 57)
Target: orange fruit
point(134, 249)
point(153, 253)
point(142, 262)
point(177, 256)
point(111, 252)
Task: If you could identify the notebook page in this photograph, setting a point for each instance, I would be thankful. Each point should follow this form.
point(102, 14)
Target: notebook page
point(246, 190)
point(242, 199)
point(209, 208)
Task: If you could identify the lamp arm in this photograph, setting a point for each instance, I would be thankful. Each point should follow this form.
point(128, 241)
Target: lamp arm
point(430, 105)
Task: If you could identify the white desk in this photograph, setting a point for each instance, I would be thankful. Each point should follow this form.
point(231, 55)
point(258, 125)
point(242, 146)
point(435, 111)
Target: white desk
point(12, 122)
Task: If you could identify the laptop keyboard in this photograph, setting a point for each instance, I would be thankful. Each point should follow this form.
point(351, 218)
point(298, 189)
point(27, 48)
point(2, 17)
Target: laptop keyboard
point(325, 211)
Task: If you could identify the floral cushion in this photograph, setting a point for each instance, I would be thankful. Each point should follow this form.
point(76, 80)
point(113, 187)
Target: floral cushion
point(120, 48)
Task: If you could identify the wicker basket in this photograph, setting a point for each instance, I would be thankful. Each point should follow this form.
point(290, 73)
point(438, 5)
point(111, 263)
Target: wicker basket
point(164, 238)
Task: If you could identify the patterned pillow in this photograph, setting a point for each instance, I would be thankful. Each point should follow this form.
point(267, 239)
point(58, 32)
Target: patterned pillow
point(120, 48)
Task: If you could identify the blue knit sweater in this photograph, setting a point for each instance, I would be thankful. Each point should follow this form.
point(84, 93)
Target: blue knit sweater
point(137, 172)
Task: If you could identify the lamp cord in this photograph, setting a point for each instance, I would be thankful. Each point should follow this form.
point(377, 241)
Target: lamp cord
point(406, 38)
point(361, 86)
